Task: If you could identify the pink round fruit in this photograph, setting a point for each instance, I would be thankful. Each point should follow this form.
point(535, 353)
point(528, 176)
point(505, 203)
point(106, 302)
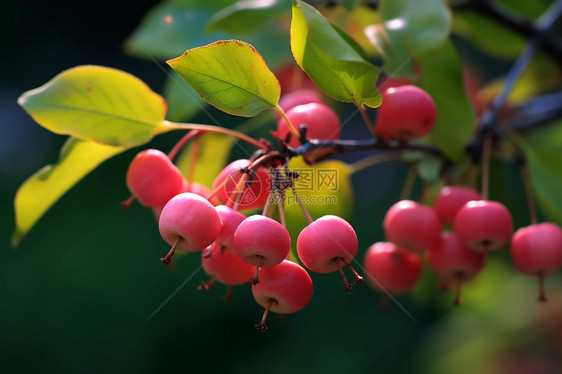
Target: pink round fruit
point(483, 225)
point(412, 225)
point(407, 112)
point(299, 97)
point(251, 195)
point(321, 120)
point(227, 268)
point(326, 244)
point(231, 219)
point(153, 179)
point(262, 241)
point(189, 222)
point(391, 268)
point(449, 258)
point(537, 249)
point(451, 199)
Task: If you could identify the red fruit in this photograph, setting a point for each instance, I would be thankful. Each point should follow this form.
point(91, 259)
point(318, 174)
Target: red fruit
point(483, 225)
point(189, 223)
point(406, 112)
point(412, 225)
point(328, 244)
point(196, 188)
point(391, 268)
point(231, 219)
point(284, 288)
point(227, 268)
point(454, 262)
point(299, 97)
point(451, 199)
point(537, 250)
point(261, 241)
point(321, 120)
point(292, 78)
point(153, 179)
point(393, 82)
point(252, 194)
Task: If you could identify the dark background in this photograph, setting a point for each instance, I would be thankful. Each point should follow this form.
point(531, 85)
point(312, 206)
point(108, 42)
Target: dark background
point(83, 290)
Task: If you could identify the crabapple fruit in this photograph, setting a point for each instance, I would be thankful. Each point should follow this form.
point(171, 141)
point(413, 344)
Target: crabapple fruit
point(262, 242)
point(451, 199)
point(299, 97)
point(231, 219)
point(412, 225)
point(483, 225)
point(322, 122)
point(391, 268)
point(328, 244)
point(537, 250)
point(252, 194)
point(406, 112)
point(454, 262)
point(189, 223)
point(153, 179)
point(284, 288)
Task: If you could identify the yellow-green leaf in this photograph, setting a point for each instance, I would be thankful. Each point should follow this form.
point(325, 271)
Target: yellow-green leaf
point(331, 58)
point(97, 103)
point(230, 75)
point(40, 191)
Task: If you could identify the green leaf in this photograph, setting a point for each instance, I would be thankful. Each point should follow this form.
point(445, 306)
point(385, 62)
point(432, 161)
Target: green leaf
point(330, 59)
point(349, 4)
point(324, 188)
point(97, 103)
point(546, 179)
point(231, 75)
point(429, 168)
point(40, 191)
point(183, 101)
point(409, 28)
point(174, 26)
point(456, 120)
point(214, 151)
point(247, 16)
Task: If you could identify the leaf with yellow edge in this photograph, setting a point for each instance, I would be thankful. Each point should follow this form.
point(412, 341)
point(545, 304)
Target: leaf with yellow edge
point(97, 103)
point(230, 75)
point(40, 191)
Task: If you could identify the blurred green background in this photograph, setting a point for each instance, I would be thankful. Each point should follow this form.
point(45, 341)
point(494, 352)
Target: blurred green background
point(85, 291)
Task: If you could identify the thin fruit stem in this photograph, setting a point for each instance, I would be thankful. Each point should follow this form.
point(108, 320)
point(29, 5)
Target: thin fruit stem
point(207, 286)
point(255, 279)
point(458, 295)
point(358, 278)
point(217, 129)
point(127, 203)
point(179, 145)
point(290, 125)
point(166, 260)
point(410, 182)
point(281, 207)
point(303, 208)
point(542, 294)
point(221, 185)
point(378, 158)
point(486, 159)
point(262, 326)
point(193, 161)
point(367, 120)
point(530, 196)
point(238, 191)
point(228, 296)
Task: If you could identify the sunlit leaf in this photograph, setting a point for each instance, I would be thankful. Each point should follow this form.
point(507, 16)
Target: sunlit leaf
point(231, 75)
point(330, 59)
point(546, 179)
point(214, 151)
point(97, 103)
point(183, 101)
point(40, 191)
point(245, 16)
point(409, 28)
point(324, 188)
point(456, 120)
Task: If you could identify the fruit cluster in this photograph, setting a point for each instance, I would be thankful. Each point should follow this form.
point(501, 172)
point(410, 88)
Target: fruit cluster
point(458, 254)
point(238, 248)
